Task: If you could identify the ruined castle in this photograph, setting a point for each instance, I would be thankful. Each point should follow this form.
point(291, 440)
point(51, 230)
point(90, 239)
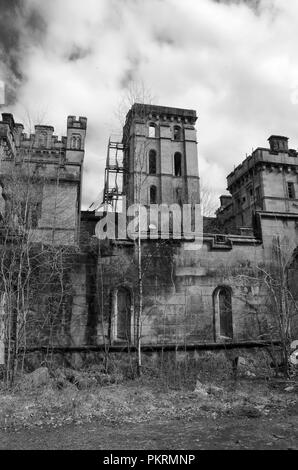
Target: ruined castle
point(218, 293)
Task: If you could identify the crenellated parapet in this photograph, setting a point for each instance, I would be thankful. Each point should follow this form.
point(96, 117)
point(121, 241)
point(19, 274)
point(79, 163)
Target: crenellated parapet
point(43, 146)
point(160, 155)
point(54, 167)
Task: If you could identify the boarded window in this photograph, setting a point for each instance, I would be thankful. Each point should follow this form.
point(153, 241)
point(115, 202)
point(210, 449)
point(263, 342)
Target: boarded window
point(152, 162)
point(153, 194)
point(177, 164)
point(291, 190)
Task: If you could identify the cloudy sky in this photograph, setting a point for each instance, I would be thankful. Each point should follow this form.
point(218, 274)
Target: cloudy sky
point(235, 62)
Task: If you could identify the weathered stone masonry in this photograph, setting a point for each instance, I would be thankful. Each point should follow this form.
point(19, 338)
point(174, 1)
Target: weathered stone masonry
point(190, 296)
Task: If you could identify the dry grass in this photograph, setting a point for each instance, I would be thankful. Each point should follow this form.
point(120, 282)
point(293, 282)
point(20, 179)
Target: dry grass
point(138, 400)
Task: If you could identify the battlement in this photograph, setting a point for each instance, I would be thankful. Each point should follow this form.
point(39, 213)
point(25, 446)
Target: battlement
point(43, 143)
point(73, 123)
point(164, 113)
point(8, 119)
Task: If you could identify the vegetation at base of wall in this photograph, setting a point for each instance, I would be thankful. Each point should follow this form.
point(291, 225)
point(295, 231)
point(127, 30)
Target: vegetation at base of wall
point(188, 392)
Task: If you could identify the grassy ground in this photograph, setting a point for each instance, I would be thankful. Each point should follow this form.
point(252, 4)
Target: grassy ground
point(86, 396)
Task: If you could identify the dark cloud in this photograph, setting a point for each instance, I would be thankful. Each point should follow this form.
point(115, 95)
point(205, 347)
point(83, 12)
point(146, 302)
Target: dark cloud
point(164, 40)
point(254, 4)
point(20, 26)
point(233, 61)
point(78, 53)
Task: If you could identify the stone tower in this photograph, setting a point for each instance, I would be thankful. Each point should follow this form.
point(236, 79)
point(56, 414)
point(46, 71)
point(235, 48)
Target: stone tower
point(55, 169)
point(160, 156)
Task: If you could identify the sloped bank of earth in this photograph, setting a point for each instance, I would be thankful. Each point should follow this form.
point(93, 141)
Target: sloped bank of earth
point(72, 398)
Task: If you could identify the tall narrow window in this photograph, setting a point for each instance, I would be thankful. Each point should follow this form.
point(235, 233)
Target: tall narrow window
point(291, 190)
point(223, 312)
point(152, 162)
point(177, 164)
point(152, 130)
point(153, 194)
point(258, 196)
point(73, 142)
point(123, 314)
point(177, 133)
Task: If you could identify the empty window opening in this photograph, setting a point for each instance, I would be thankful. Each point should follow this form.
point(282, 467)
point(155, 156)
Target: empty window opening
point(152, 130)
point(177, 164)
point(152, 162)
point(291, 190)
point(177, 133)
point(153, 194)
point(225, 312)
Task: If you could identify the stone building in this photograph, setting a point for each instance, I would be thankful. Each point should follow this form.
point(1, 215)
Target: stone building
point(160, 155)
point(51, 171)
point(213, 293)
point(40, 206)
point(266, 181)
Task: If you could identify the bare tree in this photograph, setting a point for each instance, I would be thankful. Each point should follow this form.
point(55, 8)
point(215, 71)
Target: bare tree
point(209, 200)
point(277, 315)
point(34, 272)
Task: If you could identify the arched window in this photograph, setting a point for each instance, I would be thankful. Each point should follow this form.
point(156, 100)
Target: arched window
point(153, 194)
point(222, 298)
point(177, 133)
point(177, 164)
point(121, 318)
point(152, 162)
point(76, 142)
point(152, 130)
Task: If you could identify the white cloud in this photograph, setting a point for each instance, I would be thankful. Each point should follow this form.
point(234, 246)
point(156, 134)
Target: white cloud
point(236, 66)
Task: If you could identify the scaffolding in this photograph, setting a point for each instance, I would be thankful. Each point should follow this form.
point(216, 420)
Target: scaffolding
point(114, 171)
